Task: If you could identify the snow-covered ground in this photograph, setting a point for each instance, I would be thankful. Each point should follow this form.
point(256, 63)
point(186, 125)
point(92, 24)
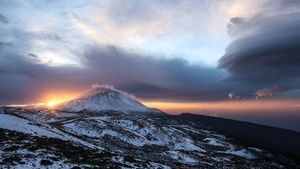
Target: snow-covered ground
point(242, 153)
point(160, 141)
point(133, 132)
point(182, 157)
point(14, 123)
point(213, 142)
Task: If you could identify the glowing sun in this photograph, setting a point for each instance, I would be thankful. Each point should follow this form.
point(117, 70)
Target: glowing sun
point(52, 103)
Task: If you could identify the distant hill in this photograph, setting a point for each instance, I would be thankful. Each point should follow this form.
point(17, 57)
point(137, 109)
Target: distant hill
point(274, 139)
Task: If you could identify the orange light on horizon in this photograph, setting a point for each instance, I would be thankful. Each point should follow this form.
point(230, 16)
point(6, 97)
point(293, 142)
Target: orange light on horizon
point(52, 103)
point(26, 105)
point(53, 98)
point(231, 106)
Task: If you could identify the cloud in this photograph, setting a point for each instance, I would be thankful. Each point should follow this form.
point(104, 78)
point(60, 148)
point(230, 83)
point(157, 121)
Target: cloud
point(233, 96)
point(151, 25)
point(265, 50)
point(83, 46)
point(98, 86)
point(145, 77)
point(33, 55)
point(150, 77)
point(3, 19)
point(269, 91)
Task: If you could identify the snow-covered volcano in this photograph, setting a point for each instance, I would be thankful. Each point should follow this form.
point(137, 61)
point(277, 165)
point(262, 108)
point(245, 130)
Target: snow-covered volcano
point(104, 97)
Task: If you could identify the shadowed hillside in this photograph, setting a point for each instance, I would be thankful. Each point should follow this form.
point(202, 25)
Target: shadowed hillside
point(274, 139)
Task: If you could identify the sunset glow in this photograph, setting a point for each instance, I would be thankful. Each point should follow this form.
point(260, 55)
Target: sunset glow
point(52, 103)
point(232, 106)
point(177, 107)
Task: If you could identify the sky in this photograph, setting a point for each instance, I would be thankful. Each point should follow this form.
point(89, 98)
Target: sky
point(166, 52)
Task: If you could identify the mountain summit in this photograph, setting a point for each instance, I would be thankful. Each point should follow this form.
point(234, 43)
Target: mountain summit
point(105, 97)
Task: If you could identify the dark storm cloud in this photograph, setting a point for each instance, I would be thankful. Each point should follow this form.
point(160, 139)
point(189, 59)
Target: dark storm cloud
point(144, 76)
point(266, 50)
point(153, 78)
point(22, 77)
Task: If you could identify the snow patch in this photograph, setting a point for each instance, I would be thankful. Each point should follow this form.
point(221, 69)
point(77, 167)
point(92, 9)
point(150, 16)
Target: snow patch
point(177, 155)
point(188, 145)
point(242, 153)
point(213, 142)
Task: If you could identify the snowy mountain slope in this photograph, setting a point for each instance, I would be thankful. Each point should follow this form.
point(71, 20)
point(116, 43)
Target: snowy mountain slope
point(146, 140)
point(104, 97)
point(23, 151)
point(15, 122)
